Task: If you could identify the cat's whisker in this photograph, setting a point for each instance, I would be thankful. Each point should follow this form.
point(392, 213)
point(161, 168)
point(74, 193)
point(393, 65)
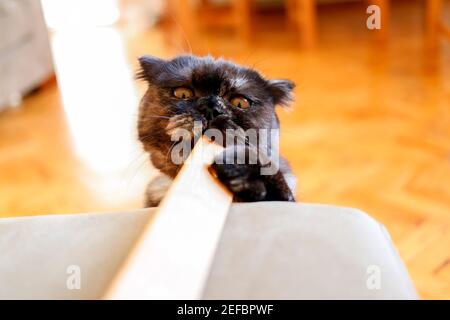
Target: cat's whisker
point(146, 138)
point(138, 157)
point(171, 148)
point(158, 117)
point(134, 175)
point(182, 31)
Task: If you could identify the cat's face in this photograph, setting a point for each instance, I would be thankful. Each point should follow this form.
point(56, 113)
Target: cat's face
point(216, 93)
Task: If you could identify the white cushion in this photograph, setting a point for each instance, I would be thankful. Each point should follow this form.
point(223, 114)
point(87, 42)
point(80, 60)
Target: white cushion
point(270, 250)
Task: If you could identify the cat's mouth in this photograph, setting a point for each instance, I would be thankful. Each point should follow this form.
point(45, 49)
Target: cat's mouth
point(184, 124)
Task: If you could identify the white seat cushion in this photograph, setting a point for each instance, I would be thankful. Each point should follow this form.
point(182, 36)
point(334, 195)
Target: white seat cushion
point(270, 250)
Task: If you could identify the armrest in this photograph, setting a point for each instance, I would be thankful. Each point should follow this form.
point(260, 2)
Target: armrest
point(267, 250)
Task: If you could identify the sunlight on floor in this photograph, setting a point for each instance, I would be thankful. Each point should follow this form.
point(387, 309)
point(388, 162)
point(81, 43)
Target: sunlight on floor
point(97, 91)
point(98, 94)
point(77, 13)
point(100, 102)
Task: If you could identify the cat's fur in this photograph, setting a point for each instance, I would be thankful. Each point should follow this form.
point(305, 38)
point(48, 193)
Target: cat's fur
point(214, 82)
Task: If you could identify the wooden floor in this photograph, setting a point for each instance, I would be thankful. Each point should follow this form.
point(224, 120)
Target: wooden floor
point(370, 127)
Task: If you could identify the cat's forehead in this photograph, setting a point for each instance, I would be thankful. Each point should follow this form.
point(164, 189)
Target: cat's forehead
point(218, 73)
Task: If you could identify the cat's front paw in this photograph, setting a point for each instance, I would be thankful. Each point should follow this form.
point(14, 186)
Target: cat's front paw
point(242, 180)
point(245, 180)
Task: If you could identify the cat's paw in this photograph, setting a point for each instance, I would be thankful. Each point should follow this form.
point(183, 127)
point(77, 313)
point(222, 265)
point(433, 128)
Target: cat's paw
point(240, 172)
point(242, 180)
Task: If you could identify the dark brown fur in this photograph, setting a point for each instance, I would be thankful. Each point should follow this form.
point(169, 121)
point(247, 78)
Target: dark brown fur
point(214, 83)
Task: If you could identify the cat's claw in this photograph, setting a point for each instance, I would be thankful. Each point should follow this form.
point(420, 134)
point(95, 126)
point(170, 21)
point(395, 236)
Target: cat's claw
point(247, 183)
point(242, 181)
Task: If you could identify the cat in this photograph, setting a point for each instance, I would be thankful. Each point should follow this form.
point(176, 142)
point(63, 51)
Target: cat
point(217, 94)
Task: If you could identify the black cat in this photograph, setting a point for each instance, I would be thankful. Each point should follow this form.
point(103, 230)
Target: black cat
point(219, 95)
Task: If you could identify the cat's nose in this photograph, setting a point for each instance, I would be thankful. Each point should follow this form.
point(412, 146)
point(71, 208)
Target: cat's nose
point(210, 107)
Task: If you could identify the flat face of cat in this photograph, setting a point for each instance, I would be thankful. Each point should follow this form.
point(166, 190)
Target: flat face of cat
point(215, 93)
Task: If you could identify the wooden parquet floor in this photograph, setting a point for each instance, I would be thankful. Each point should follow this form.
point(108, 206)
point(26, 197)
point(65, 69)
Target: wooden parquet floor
point(370, 127)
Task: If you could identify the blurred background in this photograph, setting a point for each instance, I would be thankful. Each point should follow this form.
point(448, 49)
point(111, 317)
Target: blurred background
point(370, 127)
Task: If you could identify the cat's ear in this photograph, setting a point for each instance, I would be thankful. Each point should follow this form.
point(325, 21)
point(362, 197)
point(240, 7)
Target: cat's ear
point(281, 91)
point(150, 67)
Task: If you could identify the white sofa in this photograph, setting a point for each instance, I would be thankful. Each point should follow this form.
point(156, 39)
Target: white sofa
point(271, 250)
point(25, 57)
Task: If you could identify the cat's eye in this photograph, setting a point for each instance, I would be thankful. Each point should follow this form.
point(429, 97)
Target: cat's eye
point(240, 102)
point(183, 93)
